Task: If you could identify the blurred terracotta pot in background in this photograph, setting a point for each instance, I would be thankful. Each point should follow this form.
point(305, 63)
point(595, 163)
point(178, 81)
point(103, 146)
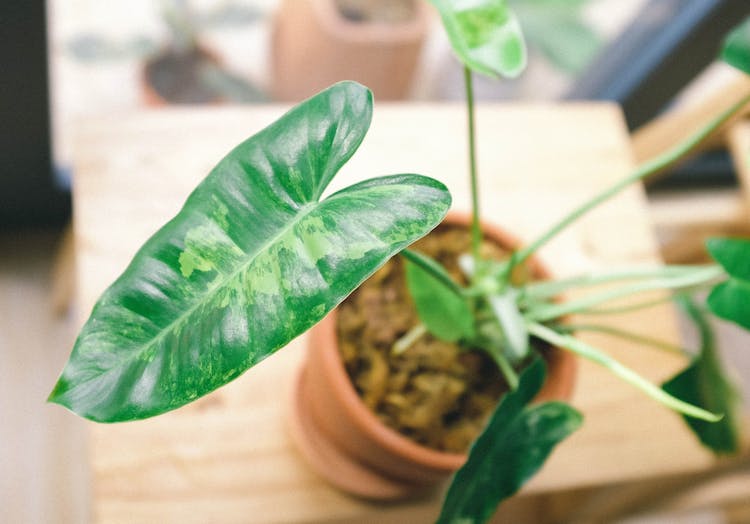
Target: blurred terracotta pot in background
point(320, 42)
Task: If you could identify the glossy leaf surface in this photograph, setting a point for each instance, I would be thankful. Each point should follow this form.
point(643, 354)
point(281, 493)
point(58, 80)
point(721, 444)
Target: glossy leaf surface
point(251, 261)
point(446, 314)
point(517, 440)
point(485, 35)
point(729, 300)
point(705, 384)
point(736, 48)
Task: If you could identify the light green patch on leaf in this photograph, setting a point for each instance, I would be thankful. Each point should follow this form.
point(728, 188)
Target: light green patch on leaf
point(514, 445)
point(485, 35)
point(206, 249)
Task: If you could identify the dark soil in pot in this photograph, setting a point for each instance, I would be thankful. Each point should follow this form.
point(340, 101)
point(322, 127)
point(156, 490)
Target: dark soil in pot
point(176, 76)
point(435, 393)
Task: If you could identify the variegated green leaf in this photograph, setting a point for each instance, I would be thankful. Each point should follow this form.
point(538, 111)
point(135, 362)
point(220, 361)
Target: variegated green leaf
point(485, 35)
point(513, 446)
point(251, 261)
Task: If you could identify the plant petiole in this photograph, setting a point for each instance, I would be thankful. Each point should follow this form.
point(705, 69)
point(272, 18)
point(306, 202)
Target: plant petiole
point(623, 334)
point(625, 373)
point(551, 288)
point(408, 339)
point(701, 276)
point(476, 230)
point(435, 269)
point(640, 173)
point(511, 377)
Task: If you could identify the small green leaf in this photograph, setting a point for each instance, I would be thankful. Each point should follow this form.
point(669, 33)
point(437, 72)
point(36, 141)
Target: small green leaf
point(485, 35)
point(505, 309)
point(514, 445)
point(729, 300)
point(446, 314)
point(733, 254)
point(252, 260)
point(705, 384)
point(736, 49)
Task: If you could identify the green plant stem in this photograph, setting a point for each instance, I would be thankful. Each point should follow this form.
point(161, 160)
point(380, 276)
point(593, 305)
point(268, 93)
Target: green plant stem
point(409, 338)
point(423, 261)
point(545, 312)
point(625, 373)
point(551, 288)
point(476, 230)
point(640, 173)
point(626, 335)
point(511, 377)
point(618, 310)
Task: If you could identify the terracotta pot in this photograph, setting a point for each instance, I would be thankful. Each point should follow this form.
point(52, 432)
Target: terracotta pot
point(346, 442)
point(314, 46)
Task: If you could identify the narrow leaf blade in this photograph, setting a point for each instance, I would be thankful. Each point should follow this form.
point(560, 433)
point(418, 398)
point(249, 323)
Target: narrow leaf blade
point(252, 260)
point(514, 445)
point(485, 35)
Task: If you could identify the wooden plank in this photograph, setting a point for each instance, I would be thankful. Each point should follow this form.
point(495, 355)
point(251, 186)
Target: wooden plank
point(685, 219)
point(227, 458)
point(674, 126)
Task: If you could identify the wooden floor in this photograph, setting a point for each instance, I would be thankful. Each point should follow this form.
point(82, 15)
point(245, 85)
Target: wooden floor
point(43, 474)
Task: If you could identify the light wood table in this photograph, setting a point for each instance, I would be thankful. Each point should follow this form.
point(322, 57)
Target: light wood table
point(227, 458)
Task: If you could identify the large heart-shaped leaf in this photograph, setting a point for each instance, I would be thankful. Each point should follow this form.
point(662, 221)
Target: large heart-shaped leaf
point(704, 383)
point(729, 299)
point(736, 48)
point(252, 260)
point(513, 446)
point(485, 35)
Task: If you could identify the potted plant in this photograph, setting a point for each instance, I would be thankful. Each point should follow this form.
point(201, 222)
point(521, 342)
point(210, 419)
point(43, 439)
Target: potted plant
point(186, 71)
point(375, 42)
point(255, 258)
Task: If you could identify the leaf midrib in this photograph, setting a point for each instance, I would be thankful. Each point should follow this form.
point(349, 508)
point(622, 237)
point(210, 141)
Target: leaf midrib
point(304, 211)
